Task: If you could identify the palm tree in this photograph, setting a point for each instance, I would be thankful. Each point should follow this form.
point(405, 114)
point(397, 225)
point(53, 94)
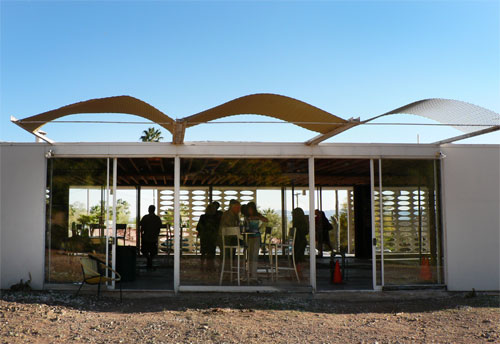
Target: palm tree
point(151, 135)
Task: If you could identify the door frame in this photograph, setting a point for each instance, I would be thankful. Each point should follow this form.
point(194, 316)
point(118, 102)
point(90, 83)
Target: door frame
point(111, 238)
point(374, 238)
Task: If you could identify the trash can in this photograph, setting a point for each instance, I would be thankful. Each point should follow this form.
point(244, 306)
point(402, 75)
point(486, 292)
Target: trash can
point(125, 262)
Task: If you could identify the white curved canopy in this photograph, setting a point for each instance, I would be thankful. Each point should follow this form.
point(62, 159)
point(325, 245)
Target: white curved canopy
point(273, 105)
point(119, 104)
point(447, 111)
point(457, 114)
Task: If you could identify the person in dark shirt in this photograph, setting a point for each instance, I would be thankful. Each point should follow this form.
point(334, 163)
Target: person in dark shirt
point(150, 229)
point(323, 228)
point(301, 224)
point(208, 229)
point(216, 206)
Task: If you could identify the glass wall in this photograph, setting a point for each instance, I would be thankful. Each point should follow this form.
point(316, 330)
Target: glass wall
point(80, 217)
point(337, 204)
point(343, 223)
point(406, 220)
point(412, 252)
point(145, 259)
point(126, 216)
point(76, 215)
point(209, 187)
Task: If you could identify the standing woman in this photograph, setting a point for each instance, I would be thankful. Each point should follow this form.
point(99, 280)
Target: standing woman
point(323, 228)
point(301, 224)
point(253, 218)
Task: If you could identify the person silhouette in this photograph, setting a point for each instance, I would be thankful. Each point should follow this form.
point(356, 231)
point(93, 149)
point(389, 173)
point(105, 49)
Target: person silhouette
point(150, 229)
point(323, 227)
point(208, 229)
point(301, 223)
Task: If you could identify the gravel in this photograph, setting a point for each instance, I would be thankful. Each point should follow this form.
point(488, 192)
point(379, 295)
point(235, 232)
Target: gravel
point(58, 317)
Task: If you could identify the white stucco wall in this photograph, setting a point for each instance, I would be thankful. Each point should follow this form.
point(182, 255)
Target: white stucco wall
point(472, 215)
point(22, 214)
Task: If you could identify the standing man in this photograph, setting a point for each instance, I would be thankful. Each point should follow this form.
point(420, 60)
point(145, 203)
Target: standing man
point(150, 229)
point(230, 218)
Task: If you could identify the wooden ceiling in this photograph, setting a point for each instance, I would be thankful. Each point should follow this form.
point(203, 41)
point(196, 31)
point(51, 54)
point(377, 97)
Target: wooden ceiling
point(145, 172)
point(341, 172)
point(159, 172)
point(242, 172)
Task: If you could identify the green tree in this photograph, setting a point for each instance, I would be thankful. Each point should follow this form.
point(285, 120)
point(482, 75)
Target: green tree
point(168, 217)
point(78, 214)
point(274, 221)
point(76, 210)
point(122, 211)
point(342, 227)
point(151, 135)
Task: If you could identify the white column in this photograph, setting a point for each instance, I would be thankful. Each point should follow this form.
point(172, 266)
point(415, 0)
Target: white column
point(348, 221)
point(374, 256)
point(106, 222)
point(113, 259)
point(337, 218)
point(177, 214)
point(444, 228)
point(312, 231)
point(436, 223)
point(381, 212)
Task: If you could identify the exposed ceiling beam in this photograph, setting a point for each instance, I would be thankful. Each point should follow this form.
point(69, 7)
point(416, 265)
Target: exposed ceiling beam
point(187, 170)
point(122, 166)
point(125, 180)
point(135, 166)
point(138, 171)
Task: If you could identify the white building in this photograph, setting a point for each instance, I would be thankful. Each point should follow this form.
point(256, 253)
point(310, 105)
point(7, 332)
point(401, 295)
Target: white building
point(440, 202)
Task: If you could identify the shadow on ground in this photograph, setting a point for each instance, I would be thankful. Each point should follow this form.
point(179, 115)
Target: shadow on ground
point(336, 303)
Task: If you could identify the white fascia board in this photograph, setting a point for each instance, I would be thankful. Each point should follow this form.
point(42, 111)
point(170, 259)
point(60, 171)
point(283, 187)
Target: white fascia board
point(246, 150)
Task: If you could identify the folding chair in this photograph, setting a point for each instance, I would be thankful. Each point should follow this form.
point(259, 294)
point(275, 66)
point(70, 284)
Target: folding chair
point(94, 272)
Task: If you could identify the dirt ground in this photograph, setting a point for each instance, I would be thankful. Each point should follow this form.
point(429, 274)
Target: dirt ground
point(389, 317)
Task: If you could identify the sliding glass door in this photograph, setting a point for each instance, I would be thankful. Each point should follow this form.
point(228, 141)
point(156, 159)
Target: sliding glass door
point(78, 220)
point(407, 222)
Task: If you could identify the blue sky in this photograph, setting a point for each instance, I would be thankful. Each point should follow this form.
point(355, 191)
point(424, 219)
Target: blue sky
point(349, 58)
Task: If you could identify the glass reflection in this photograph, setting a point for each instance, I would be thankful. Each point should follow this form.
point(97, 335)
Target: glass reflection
point(411, 229)
point(76, 216)
point(253, 195)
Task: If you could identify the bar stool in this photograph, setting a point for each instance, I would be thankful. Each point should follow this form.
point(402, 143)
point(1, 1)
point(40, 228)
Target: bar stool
point(231, 241)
